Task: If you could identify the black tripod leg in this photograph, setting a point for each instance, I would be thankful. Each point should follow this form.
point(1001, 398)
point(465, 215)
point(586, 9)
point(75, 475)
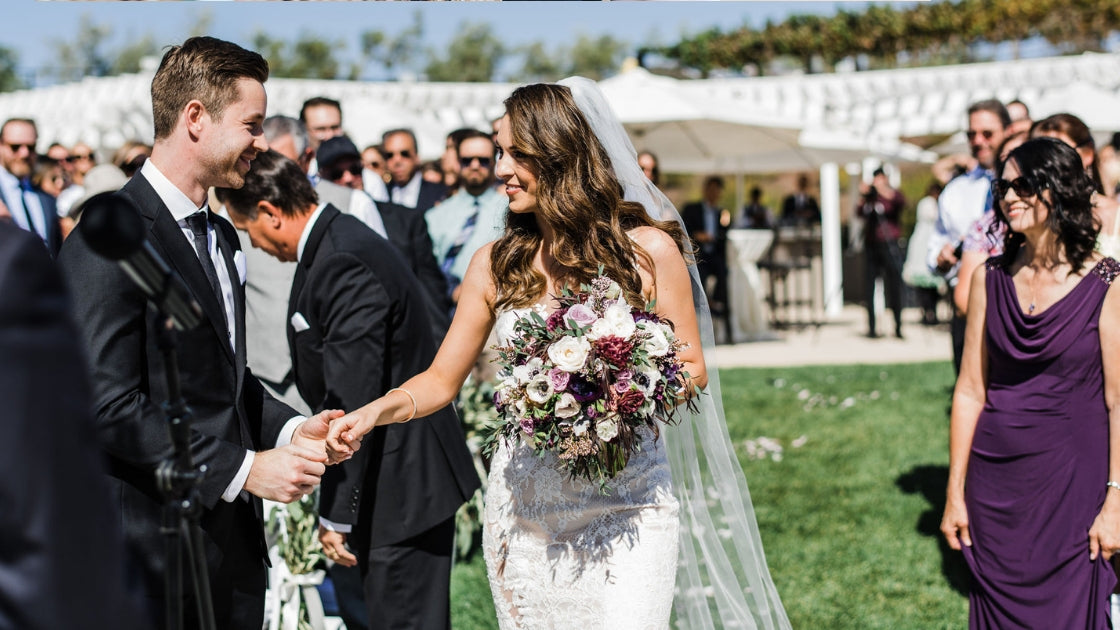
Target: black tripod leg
point(192, 539)
point(173, 576)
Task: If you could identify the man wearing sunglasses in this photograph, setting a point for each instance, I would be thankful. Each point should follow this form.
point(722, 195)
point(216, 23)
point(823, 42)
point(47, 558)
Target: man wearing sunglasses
point(471, 217)
point(30, 208)
point(964, 200)
point(340, 163)
point(406, 187)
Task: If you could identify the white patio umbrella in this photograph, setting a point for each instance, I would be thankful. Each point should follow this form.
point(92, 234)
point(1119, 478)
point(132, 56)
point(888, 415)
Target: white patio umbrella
point(1096, 106)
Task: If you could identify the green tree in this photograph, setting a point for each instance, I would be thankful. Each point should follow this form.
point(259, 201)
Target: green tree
point(472, 56)
point(596, 57)
point(538, 64)
point(127, 59)
point(83, 54)
point(403, 51)
point(309, 57)
point(9, 70)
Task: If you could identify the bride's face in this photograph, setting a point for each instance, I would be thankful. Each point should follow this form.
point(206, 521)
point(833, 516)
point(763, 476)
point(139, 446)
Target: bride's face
point(521, 183)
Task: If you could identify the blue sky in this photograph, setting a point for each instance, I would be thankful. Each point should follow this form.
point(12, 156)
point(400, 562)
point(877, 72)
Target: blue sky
point(40, 25)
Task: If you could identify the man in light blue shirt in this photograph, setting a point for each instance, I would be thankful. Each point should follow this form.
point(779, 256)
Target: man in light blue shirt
point(473, 216)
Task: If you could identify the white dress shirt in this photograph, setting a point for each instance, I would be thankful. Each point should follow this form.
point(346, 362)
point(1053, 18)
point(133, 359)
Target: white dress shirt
point(961, 204)
point(409, 194)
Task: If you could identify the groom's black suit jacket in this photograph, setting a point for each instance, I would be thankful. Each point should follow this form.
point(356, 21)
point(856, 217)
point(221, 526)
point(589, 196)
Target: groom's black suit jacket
point(232, 411)
point(368, 332)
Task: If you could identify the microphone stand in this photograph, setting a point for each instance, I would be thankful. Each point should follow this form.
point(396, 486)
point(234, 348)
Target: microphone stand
point(177, 478)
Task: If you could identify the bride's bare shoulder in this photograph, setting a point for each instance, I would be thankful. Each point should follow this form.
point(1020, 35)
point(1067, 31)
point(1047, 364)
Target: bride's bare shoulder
point(655, 242)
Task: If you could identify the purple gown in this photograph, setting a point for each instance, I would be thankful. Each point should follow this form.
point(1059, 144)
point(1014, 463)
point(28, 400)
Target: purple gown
point(1039, 462)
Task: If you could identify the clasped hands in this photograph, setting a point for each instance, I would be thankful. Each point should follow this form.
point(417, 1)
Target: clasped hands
point(286, 473)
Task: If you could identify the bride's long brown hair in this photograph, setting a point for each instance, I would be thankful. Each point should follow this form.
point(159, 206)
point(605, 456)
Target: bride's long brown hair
point(578, 196)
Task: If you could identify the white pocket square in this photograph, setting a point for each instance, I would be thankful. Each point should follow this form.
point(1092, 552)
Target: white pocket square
point(299, 323)
point(239, 262)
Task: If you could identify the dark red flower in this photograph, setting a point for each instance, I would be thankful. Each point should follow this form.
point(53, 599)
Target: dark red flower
point(614, 350)
point(630, 402)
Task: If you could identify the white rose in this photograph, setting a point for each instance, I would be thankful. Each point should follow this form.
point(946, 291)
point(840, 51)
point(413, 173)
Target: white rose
point(539, 390)
point(657, 344)
point(647, 407)
point(567, 406)
point(580, 427)
point(621, 321)
point(601, 328)
point(570, 353)
point(613, 291)
point(607, 427)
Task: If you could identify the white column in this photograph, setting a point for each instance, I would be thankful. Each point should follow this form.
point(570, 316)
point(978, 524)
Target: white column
point(832, 256)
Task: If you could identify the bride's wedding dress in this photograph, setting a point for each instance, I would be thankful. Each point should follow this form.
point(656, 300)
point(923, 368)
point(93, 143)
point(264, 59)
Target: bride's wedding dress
point(561, 555)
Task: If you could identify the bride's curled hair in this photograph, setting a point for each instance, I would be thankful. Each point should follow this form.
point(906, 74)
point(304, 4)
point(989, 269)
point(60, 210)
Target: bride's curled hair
point(578, 197)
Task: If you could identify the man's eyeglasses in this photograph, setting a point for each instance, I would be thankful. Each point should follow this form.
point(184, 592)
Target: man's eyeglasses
point(466, 161)
point(404, 154)
point(14, 148)
point(1022, 186)
point(988, 134)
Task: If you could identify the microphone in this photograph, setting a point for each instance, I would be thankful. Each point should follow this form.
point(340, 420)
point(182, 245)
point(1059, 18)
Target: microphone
point(112, 226)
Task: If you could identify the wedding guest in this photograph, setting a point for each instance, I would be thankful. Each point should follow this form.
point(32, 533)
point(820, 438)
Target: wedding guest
point(927, 285)
point(880, 208)
point(359, 325)
point(755, 215)
point(1033, 498)
point(801, 208)
point(407, 187)
point(650, 167)
point(131, 156)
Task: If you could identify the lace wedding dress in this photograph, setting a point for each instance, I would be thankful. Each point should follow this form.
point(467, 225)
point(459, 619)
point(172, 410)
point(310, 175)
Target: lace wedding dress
point(561, 555)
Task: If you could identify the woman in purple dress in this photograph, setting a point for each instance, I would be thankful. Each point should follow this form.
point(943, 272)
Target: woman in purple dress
point(1033, 498)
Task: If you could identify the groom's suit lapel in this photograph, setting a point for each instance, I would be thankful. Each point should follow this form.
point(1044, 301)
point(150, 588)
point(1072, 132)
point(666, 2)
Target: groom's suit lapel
point(168, 240)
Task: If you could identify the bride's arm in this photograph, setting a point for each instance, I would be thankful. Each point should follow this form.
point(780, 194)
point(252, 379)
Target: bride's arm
point(674, 297)
point(437, 386)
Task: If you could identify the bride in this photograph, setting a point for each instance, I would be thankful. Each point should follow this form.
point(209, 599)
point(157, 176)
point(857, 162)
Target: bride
point(677, 533)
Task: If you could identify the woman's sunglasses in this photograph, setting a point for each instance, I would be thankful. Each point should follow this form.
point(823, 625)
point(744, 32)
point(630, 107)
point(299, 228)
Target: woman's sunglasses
point(1022, 186)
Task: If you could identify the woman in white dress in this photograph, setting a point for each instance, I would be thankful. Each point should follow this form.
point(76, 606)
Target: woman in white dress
point(677, 532)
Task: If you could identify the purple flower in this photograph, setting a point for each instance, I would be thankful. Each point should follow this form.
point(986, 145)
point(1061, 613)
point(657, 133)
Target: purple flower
point(527, 426)
point(582, 389)
point(581, 315)
point(559, 379)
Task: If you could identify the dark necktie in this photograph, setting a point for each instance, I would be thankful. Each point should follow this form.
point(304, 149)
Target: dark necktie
point(198, 223)
point(26, 191)
point(457, 246)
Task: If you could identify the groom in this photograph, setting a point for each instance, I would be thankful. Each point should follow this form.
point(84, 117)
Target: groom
point(357, 326)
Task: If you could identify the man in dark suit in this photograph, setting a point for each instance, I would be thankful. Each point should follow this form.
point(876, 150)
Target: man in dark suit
point(707, 223)
point(30, 208)
point(406, 187)
point(208, 102)
point(357, 327)
point(340, 165)
point(62, 557)
point(800, 208)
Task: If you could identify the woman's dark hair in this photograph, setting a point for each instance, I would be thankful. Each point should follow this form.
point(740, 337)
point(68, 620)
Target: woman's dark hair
point(1054, 166)
point(578, 196)
point(1078, 132)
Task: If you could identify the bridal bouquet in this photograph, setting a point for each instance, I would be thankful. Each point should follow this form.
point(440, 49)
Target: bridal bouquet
point(580, 382)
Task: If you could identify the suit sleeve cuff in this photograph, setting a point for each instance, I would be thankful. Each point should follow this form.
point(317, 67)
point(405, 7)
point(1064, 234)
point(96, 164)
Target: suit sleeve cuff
point(342, 528)
point(238, 483)
point(285, 437)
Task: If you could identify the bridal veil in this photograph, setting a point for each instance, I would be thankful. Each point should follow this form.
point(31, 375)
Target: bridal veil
point(722, 577)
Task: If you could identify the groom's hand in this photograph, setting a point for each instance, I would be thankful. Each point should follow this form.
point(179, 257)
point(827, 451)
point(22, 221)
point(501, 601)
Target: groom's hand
point(312, 433)
point(334, 546)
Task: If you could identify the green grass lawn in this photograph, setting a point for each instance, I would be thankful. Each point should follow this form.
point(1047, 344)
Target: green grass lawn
point(849, 518)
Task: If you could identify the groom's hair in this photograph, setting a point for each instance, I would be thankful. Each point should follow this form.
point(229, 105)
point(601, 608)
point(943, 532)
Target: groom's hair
point(275, 179)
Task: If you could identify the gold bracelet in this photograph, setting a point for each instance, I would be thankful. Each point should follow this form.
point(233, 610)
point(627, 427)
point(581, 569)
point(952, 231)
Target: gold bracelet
point(410, 397)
